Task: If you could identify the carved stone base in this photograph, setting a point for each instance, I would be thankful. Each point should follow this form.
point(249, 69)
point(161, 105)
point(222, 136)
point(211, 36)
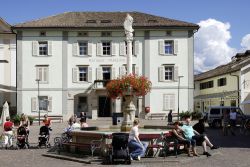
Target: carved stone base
point(125, 128)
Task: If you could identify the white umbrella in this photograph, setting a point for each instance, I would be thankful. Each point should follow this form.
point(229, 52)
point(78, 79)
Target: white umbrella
point(246, 102)
point(5, 113)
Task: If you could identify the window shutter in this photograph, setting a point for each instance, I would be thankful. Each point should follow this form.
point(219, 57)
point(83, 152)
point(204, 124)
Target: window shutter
point(46, 74)
point(122, 49)
point(122, 71)
point(161, 74)
point(35, 48)
point(49, 48)
point(165, 102)
point(34, 104)
point(50, 104)
point(171, 102)
point(90, 49)
point(75, 49)
point(175, 47)
point(89, 74)
point(114, 49)
point(99, 75)
point(176, 73)
point(99, 50)
point(75, 75)
point(113, 73)
point(161, 47)
point(136, 48)
point(37, 73)
point(137, 70)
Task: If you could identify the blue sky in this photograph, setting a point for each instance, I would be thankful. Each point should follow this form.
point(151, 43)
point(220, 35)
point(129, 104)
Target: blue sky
point(236, 13)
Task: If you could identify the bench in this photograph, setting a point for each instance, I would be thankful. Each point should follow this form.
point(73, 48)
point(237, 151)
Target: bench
point(157, 115)
point(54, 118)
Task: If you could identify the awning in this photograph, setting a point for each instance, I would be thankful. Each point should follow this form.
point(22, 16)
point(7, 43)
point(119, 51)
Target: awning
point(218, 95)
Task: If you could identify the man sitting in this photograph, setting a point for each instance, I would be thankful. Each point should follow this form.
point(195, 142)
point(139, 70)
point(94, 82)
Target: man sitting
point(192, 134)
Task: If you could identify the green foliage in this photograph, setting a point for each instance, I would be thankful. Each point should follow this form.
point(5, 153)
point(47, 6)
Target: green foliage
point(16, 119)
point(31, 118)
point(196, 115)
point(184, 114)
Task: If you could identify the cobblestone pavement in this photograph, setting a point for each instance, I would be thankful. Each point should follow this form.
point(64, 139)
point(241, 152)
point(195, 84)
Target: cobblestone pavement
point(234, 151)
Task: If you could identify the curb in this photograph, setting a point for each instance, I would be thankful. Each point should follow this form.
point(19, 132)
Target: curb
point(62, 157)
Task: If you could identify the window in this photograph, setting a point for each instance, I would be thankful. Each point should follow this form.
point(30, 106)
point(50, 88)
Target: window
point(106, 34)
point(169, 73)
point(91, 21)
point(82, 34)
point(233, 103)
point(126, 45)
point(221, 82)
point(82, 104)
point(168, 33)
point(106, 72)
point(106, 21)
point(42, 33)
point(205, 85)
point(168, 102)
point(83, 48)
point(43, 103)
point(83, 73)
point(106, 48)
point(43, 48)
point(42, 73)
point(215, 111)
point(169, 47)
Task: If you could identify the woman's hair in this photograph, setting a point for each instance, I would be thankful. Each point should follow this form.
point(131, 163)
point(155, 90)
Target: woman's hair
point(136, 122)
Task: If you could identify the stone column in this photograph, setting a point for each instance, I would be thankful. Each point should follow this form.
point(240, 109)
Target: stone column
point(129, 107)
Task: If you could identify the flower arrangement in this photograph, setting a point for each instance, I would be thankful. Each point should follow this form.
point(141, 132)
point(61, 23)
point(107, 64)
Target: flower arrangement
point(133, 84)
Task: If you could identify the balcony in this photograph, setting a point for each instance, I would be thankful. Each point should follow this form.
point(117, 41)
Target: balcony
point(100, 84)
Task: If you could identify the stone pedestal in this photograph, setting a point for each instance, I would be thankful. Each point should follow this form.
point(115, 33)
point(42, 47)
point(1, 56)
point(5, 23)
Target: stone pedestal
point(128, 113)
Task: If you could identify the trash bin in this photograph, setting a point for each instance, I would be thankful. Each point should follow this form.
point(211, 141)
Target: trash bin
point(117, 118)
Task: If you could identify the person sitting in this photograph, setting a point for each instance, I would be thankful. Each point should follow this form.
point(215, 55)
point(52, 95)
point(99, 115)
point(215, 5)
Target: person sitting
point(8, 133)
point(181, 140)
point(82, 118)
point(76, 125)
point(192, 134)
point(200, 126)
point(138, 148)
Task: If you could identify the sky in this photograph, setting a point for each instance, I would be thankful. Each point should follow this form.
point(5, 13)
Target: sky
point(224, 24)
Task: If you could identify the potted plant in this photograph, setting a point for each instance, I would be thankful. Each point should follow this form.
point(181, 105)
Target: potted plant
point(128, 85)
point(31, 119)
point(16, 119)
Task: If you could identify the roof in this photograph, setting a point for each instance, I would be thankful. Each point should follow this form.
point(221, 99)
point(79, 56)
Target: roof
point(104, 20)
point(4, 26)
point(238, 61)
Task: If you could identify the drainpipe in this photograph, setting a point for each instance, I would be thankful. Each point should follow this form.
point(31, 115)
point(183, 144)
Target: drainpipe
point(238, 88)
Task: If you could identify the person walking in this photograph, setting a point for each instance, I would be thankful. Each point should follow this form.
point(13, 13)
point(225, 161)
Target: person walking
point(170, 117)
point(138, 148)
point(233, 117)
point(8, 133)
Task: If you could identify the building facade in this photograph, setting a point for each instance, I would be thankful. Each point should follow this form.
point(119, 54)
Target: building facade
point(75, 54)
point(7, 64)
point(220, 86)
point(245, 89)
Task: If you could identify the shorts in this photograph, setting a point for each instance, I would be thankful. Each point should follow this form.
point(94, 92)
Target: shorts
point(199, 139)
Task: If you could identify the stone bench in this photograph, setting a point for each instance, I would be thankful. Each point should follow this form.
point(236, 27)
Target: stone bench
point(157, 115)
point(54, 118)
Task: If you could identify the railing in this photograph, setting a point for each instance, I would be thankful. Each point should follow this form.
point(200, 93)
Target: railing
point(100, 84)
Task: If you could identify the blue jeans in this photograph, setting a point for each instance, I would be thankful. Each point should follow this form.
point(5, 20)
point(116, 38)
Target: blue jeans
point(137, 149)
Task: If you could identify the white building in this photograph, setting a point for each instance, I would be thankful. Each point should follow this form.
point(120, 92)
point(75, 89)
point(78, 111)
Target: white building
point(75, 53)
point(7, 64)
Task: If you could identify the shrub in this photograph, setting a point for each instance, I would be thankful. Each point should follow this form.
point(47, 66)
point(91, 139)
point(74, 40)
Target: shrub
point(16, 119)
point(184, 114)
point(196, 115)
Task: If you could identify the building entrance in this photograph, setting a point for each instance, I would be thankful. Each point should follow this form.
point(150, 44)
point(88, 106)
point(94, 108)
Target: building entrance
point(104, 106)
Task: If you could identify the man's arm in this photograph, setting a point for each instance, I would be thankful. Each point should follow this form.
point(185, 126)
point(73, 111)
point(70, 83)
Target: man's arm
point(197, 133)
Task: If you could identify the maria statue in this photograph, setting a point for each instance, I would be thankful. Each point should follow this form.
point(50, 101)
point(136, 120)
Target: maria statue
point(128, 27)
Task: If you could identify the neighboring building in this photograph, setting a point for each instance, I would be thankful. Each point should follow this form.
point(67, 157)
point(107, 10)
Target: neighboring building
point(74, 54)
point(7, 64)
point(220, 86)
point(245, 88)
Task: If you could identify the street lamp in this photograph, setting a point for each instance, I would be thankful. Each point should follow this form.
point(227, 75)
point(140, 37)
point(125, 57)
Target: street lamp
point(179, 77)
point(38, 94)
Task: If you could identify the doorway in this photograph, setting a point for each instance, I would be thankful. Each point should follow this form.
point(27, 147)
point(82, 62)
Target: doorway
point(104, 106)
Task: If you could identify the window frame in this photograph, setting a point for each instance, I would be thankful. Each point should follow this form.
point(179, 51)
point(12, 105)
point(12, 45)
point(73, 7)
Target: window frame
point(45, 51)
point(168, 66)
point(222, 82)
point(110, 71)
point(43, 69)
point(86, 48)
point(79, 73)
point(172, 44)
point(47, 103)
point(106, 48)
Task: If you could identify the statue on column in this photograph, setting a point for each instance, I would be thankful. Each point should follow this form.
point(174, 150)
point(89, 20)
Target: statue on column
point(128, 27)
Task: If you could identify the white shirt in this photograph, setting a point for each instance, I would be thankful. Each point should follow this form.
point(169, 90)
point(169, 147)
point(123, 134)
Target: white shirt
point(233, 115)
point(76, 126)
point(133, 132)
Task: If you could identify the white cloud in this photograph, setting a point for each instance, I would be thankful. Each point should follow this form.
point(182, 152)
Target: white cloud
point(245, 42)
point(211, 45)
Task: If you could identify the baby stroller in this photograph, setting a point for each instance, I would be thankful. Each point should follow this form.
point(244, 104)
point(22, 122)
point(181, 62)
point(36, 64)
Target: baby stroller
point(119, 150)
point(22, 138)
point(44, 137)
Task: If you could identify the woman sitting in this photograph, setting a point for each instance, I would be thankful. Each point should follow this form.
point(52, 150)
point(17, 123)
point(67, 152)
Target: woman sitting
point(24, 121)
point(181, 140)
point(138, 148)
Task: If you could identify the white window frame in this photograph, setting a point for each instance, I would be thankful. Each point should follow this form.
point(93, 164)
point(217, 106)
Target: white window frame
point(169, 103)
point(110, 67)
point(86, 72)
point(105, 48)
point(169, 66)
point(42, 73)
point(85, 48)
point(46, 45)
point(172, 45)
